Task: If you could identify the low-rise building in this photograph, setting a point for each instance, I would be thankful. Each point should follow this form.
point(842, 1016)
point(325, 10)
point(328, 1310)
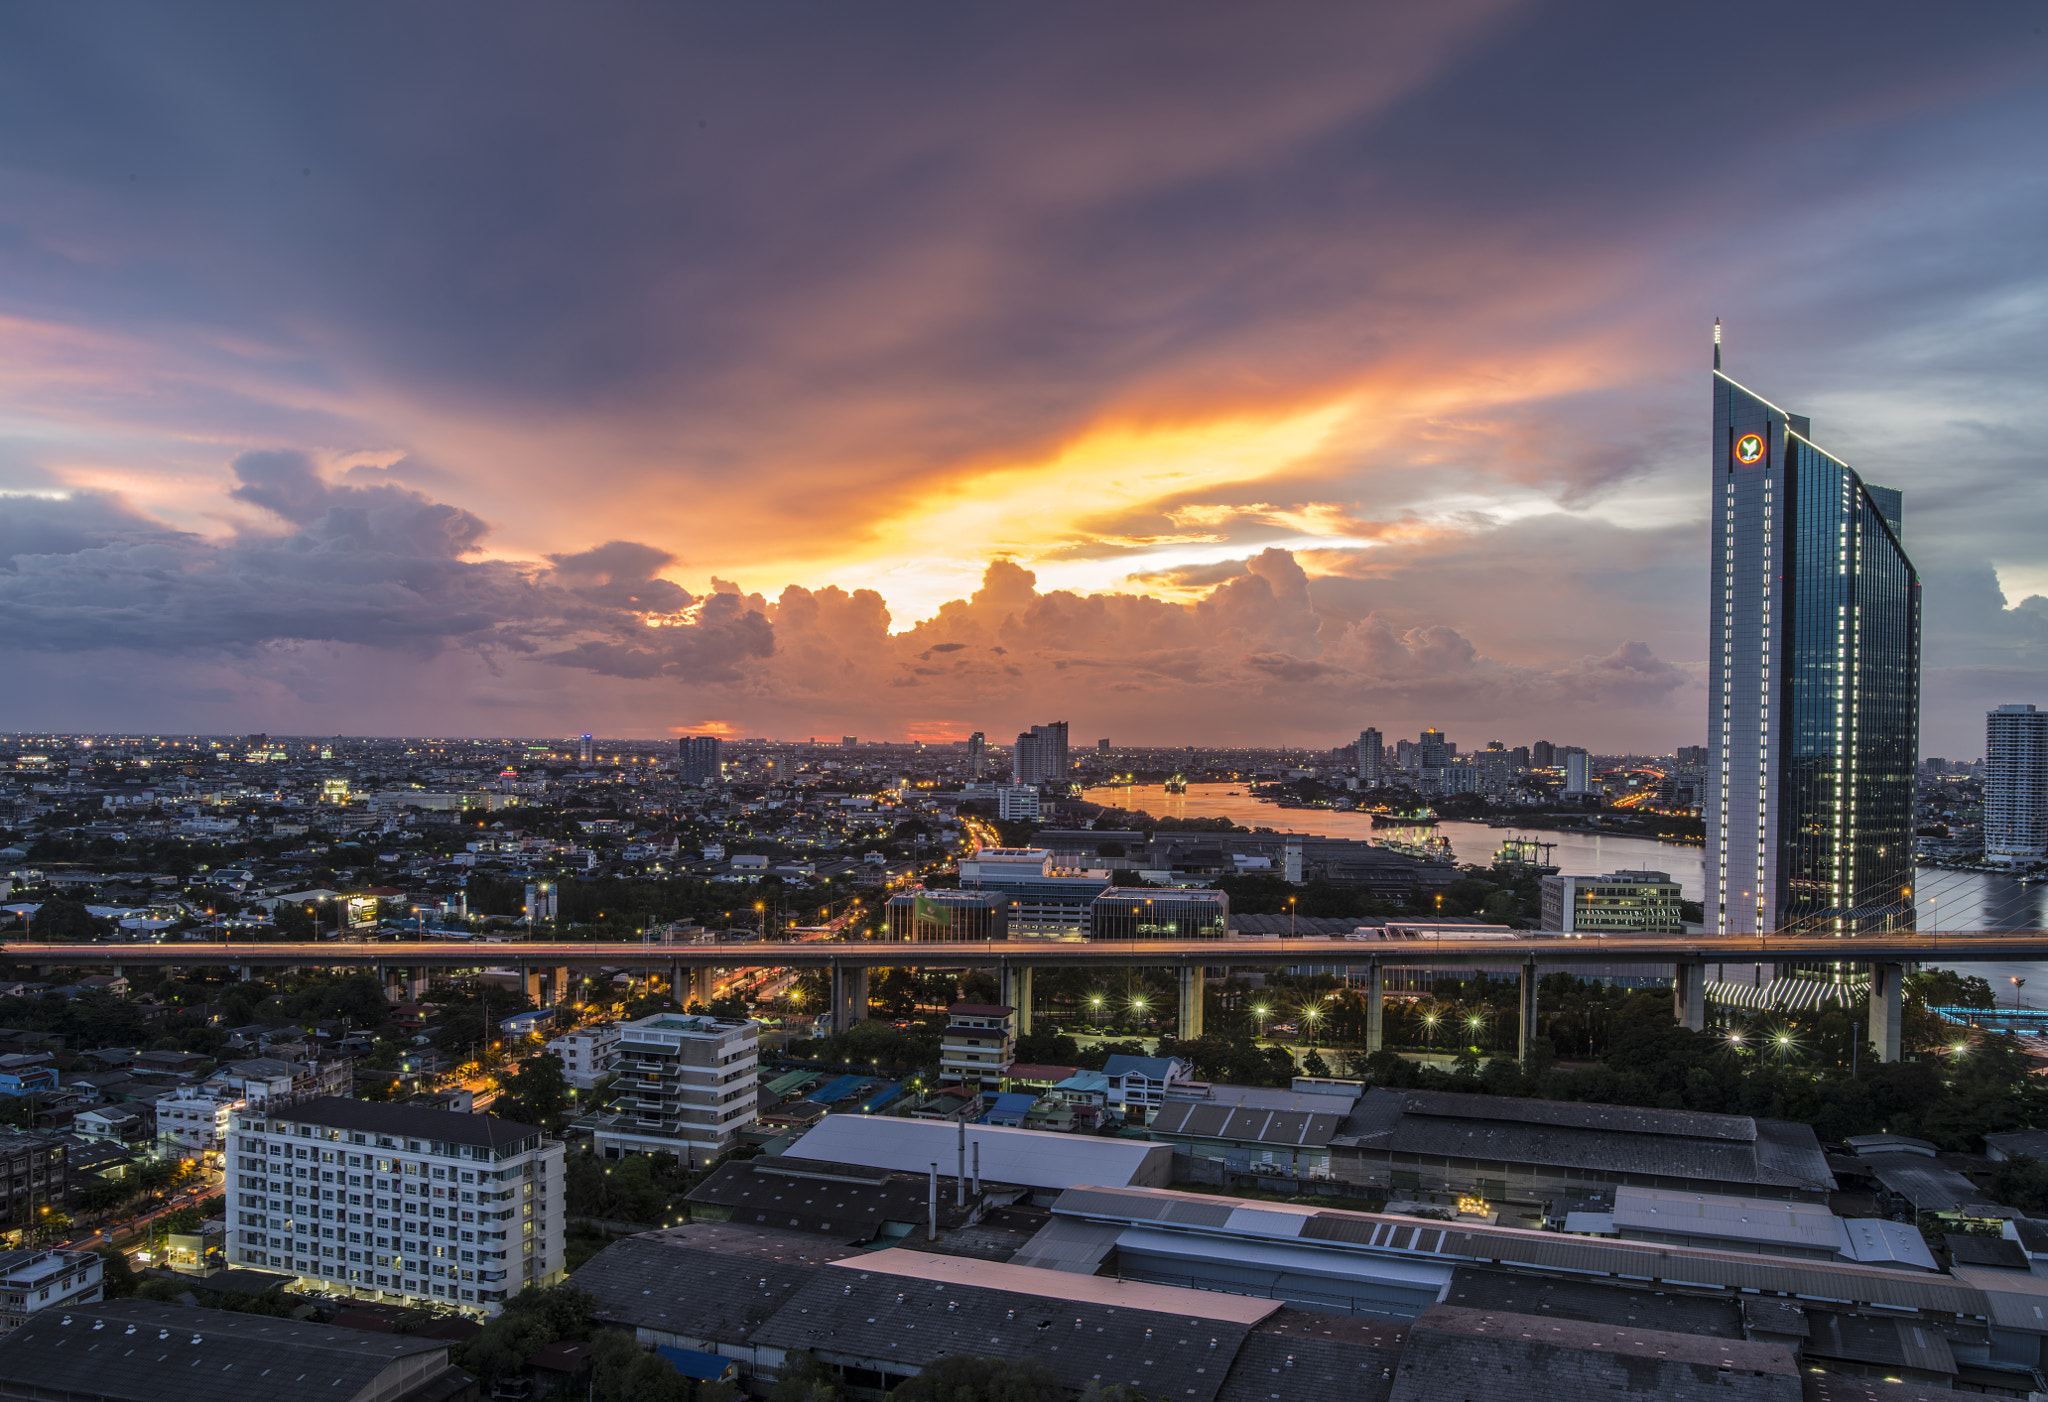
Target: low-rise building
point(1138, 1085)
point(979, 1043)
point(191, 1123)
point(1621, 902)
point(34, 1279)
point(1156, 913)
point(403, 1204)
point(34, 1174)
point(687, 1085)
point(949, 915)
point(589, 1054)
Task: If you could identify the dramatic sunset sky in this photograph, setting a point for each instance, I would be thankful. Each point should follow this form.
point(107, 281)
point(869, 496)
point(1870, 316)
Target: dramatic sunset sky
point(1190, 372)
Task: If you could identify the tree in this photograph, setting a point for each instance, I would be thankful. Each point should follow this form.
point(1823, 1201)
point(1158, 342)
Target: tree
point(1313, 1064)
point(969, 1377)
point(804, 1379)
point(61, 918)
point(117, 1277)
point(2020, 1181)
point(535, 1094)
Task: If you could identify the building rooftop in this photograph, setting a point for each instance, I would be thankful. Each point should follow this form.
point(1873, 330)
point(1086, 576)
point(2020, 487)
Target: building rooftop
point(404, 1122)
point(133, 1349)
point(1025, 1157)
point(644, 1283)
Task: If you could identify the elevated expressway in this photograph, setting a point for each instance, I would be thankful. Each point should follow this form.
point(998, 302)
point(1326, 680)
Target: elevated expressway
point(689, 966)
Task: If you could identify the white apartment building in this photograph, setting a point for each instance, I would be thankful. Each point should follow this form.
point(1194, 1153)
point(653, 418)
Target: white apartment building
point(1015, 802)
point(2015, 786)
point(979, 1044)
point(34, 1279)
point(190, 1122)
point(395, 1202)
point(589, 1054)
point(687, 1086)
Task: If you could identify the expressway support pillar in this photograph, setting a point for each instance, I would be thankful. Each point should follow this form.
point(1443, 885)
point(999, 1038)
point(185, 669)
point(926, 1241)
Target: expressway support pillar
point(1375, 1007)
point(1886, 981)
point(1527, 1033)
point(849, 995)
point(703, 984)
point(1689, 995)
point(532, 977)
point(1017, 993)
point(678, 987)
point(560, 980)
point(1192, 985)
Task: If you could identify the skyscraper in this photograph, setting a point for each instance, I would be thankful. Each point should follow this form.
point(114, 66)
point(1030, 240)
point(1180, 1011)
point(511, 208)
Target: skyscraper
point(586, 750)
point(977, 753)
point(1041, 754)
point(702, 758)
point(2016, 786)
point(1813, 706)
point(1542, 754)
point(1371, 750)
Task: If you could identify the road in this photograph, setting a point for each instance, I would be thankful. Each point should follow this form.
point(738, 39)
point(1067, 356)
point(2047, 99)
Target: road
point(1947, 947)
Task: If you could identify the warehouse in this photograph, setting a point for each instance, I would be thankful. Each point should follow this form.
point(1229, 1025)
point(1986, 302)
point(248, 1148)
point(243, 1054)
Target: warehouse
point(1044, 1163)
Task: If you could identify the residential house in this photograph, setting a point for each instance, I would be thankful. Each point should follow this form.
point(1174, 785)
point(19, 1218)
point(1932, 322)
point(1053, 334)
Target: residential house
point(1138, 1084)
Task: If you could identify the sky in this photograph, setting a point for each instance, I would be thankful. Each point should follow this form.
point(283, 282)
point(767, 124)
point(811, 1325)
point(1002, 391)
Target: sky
point(1191, 372)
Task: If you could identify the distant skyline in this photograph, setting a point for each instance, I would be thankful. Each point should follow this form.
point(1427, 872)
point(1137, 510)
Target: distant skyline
point(1190, 373)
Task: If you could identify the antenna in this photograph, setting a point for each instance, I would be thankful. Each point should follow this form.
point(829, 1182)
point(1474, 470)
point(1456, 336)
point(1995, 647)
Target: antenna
point(1717, 343)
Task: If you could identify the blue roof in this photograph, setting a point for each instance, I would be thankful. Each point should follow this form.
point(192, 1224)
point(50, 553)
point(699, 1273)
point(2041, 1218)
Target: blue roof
point(880, 1098)
point(832, 1092)
point(1086, 1082)
point(704, 1367)
point(1152, 1068)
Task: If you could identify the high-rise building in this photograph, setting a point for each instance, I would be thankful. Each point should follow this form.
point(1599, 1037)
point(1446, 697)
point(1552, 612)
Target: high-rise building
point(849, 742)
point(1041, 754)
point(1434, 752)
point(586, 749)
point(1542, 755)
point(1371, 752)
point(1102, 746)
point(1577, 778)
point(2016, 786)
point(702, 758)
point(395, 1202)
point(977, 752)
point(1813, 707)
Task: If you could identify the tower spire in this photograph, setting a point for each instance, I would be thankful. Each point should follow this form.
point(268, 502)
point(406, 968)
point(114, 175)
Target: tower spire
point(1717, 343)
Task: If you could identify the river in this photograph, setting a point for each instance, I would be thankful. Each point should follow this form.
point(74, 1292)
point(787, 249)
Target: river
point(1945, 900)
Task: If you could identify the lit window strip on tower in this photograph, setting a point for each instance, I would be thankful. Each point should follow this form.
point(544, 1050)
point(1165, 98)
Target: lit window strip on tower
point(1818, 623)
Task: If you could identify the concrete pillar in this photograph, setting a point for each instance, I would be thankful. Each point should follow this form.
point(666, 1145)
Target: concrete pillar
point(1191, 985)
point(1885, 983)
point(1528, 1032)
point(1375, 1007)
point(561, 989)
point(678, 986)
point(703, 982)
point(849, 995)
point(1689, 995)
point(532, 978)
point(1017, 993)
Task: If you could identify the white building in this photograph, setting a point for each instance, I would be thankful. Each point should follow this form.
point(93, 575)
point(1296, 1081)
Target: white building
point(33, 1279)
point(190, 1122)
point(1619, 902)
point(2016, 786)
point(687, 1086)
point(588, 1054)
point(979, 1044)
point(395, 1202)
point(1016, 802)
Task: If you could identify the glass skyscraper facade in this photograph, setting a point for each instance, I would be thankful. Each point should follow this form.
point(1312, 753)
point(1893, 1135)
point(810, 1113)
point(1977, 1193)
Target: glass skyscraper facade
point(1813, 714)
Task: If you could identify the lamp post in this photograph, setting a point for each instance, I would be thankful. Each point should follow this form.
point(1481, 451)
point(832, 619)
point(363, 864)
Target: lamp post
point(2017, 984)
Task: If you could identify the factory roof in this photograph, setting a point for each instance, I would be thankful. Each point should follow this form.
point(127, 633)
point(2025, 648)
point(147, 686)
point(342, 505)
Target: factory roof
point(1029, 1158)
point(651, 1284)
point(134, 1349)
point(1196, 1120)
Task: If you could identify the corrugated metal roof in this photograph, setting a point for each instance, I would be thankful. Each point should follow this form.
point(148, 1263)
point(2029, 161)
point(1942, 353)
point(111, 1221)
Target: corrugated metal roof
point(1290, 1128)
point(1611, 1119)
point(1032, 1158)
point(1726, 1218)
point(659, 1285)
point(1064, 1244)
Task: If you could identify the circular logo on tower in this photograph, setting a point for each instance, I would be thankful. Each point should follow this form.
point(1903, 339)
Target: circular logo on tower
point(1749, 449)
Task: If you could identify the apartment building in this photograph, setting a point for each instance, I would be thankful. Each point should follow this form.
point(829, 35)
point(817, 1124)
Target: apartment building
point(687, 1086)
point(589, 1054)
point(34, 1173)
point(1618, 903)
point(191, 1123)
point(979, 1044)
point(32, 1279)
point(395, 1202)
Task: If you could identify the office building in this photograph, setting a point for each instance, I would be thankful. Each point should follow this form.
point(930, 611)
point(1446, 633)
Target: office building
point(33, 1279)
point(1542, 755)
point(1158, 913)
point(686, 1086)
point(586, 749)
point(978, 1045)
point(1102, 746)
point(2016, 786)
point(395, 1202)
point(1371, 754)
point(1690, 754)
point(1620, 902)
point(1041, 755)
point(701, 758)
point(1044, 895)
point(1813, 706)
point(849, 742)
point(948, 915)
point(1017, 802)
point(589, 1054)
point(977, 753)
point(1434, 751)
